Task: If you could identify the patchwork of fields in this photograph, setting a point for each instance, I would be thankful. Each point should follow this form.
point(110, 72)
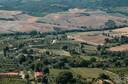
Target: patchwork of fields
point(88, 44)
point(75, 19)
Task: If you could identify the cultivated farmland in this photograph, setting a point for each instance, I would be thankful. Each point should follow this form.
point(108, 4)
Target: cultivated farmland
point(120, 48)
point(90, 38)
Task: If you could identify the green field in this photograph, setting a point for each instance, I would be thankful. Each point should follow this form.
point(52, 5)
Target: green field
point(84, 72)
point(12, 81)
point(89, 57)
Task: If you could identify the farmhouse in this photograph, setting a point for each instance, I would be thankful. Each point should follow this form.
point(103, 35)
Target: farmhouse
point(21, 74)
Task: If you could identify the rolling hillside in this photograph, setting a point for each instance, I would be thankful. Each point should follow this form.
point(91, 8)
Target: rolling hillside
point(74, 19)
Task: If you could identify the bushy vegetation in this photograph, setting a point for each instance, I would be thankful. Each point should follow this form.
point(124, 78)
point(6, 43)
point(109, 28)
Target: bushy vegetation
point(36, 51)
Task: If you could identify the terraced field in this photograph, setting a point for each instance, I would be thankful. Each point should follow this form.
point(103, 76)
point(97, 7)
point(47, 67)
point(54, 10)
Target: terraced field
point(90, 38)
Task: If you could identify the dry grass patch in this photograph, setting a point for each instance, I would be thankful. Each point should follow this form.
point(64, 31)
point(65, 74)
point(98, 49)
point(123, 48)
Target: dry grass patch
point(121, 30)
point(123, 47)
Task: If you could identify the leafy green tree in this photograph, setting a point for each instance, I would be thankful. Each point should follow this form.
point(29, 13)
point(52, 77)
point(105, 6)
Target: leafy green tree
point(5, 50)
point(93, 59)
point(65, 78)
point(46, 70)
point(103, 76)
point(27, 78)
point(84, 63)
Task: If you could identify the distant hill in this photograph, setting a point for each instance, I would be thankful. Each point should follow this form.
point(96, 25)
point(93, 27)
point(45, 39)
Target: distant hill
point(72, 20)
point(43, 7)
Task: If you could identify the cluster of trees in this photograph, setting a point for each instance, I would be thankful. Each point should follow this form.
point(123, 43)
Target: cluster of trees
point(121, 40)
point(117, 53)
point(67, 77)
point(74, 48)
point(117, 39)
point(110, 24)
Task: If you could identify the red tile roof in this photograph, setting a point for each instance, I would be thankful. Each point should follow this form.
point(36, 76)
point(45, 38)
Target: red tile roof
point(9, 74)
